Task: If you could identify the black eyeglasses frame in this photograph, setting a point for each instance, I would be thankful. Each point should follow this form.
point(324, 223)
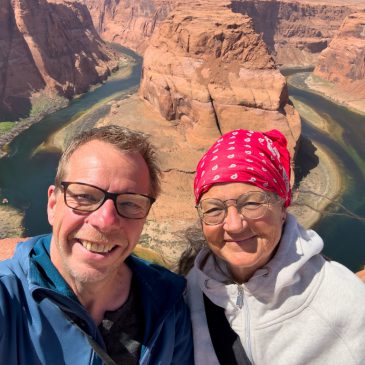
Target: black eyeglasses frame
point(107, 195)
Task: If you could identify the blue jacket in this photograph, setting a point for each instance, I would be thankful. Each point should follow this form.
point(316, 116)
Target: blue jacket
point(35, 312)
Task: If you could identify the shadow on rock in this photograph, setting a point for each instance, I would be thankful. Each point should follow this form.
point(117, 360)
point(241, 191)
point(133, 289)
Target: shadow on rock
point(305, 160)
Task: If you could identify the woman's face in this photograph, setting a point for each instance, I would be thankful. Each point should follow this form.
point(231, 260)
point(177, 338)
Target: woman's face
point(244, 244)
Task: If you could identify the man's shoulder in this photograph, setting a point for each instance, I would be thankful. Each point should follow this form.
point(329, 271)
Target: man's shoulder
point(17, 261)
point(156, 270)
point(153, 274)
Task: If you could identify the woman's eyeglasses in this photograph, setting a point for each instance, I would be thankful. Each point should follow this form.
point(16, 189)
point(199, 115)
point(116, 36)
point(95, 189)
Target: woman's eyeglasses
point(252, 205)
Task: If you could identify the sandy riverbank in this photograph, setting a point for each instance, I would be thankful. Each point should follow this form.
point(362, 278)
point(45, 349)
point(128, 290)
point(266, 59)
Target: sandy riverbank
point(323, 185)
point(10, 222)
point(332, 92)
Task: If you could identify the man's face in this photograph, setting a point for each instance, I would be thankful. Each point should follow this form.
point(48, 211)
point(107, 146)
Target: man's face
point(91, 247)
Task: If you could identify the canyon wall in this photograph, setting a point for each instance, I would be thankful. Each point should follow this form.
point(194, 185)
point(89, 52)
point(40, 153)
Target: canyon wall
point(130, 23)
point(342, 64)
point(295, 32)
point(214, 74)
point(48, 46)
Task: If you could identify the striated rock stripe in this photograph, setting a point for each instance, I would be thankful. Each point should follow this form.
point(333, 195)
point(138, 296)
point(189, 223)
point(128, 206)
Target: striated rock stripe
point(343, 63)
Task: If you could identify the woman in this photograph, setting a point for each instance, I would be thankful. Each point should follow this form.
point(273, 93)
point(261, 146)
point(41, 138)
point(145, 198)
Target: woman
point(259, 291)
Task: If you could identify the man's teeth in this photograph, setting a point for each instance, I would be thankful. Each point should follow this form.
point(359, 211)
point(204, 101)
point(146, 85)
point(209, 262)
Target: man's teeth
point(95, 247)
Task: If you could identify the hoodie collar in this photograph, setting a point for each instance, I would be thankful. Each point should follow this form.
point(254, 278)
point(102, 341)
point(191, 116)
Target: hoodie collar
point(297, 246)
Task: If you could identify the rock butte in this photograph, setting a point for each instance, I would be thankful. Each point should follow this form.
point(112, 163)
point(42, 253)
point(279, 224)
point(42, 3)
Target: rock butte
point(214, 74)
point(295, 32)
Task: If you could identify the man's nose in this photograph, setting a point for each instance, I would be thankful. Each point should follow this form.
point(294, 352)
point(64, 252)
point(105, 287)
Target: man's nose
point(106, 217)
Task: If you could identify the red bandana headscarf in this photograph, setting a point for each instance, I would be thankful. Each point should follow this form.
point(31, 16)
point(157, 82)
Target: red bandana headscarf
point(257, 158)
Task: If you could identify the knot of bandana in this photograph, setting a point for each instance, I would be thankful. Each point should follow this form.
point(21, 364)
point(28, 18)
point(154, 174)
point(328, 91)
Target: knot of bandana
point(258, 158)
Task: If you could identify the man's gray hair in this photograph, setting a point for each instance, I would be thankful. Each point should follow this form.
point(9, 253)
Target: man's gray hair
point(125, 140)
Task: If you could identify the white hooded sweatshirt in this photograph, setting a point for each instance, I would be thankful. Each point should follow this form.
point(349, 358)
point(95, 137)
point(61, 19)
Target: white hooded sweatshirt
point(297, 310)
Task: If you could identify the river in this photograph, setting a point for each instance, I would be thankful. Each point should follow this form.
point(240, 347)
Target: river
point(344, 236)
point(26, 175)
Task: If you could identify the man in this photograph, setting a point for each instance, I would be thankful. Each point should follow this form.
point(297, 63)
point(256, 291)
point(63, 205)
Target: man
point(77, 296)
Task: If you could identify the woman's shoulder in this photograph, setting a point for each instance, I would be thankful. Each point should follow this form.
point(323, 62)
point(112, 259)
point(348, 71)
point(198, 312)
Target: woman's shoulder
point(342, 283)
point(361, 274)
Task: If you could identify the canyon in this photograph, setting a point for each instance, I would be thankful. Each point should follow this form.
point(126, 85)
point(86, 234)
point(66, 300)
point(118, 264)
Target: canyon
point(48, 48)
point(294, 32)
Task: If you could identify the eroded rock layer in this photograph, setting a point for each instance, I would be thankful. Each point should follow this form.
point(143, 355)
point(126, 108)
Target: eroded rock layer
point(295, 32)
point(214, 74)
point(51, 46)
point(130, 23)
point(343, 64)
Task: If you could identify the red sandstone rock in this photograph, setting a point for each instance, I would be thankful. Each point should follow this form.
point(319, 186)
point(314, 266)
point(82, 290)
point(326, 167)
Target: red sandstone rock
point(343, 62)
point(7, 247)
point(296, 32)
point(214, 74)
point(130, 23)
point(51, 46)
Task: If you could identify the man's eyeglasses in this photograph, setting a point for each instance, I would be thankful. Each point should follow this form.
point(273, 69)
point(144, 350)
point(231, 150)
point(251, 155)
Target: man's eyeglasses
point(252, 205)
point(88, 198)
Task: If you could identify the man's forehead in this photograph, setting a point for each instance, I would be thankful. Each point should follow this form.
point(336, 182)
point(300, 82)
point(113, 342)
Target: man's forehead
point(98, 155)
point(98, 148)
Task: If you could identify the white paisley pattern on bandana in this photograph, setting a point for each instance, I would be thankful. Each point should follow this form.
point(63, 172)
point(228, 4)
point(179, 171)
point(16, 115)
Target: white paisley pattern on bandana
point(257, 158)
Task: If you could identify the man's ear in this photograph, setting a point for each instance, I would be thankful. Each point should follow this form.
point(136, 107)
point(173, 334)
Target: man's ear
point(51, 205)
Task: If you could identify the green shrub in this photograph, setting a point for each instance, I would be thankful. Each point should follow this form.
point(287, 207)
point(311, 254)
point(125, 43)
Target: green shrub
point(6, 127)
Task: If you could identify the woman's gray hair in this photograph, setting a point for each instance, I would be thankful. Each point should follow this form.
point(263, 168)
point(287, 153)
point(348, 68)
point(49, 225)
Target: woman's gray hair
point(195, 242)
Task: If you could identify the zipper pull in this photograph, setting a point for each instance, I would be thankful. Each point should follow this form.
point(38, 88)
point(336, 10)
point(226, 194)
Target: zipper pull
point(239, 300)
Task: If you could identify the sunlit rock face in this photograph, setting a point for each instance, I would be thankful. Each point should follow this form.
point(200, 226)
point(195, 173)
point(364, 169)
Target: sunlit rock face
point(296, 32)
point(48, 46)
point(214, 74)
point(130, 23)
point(343, 62)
